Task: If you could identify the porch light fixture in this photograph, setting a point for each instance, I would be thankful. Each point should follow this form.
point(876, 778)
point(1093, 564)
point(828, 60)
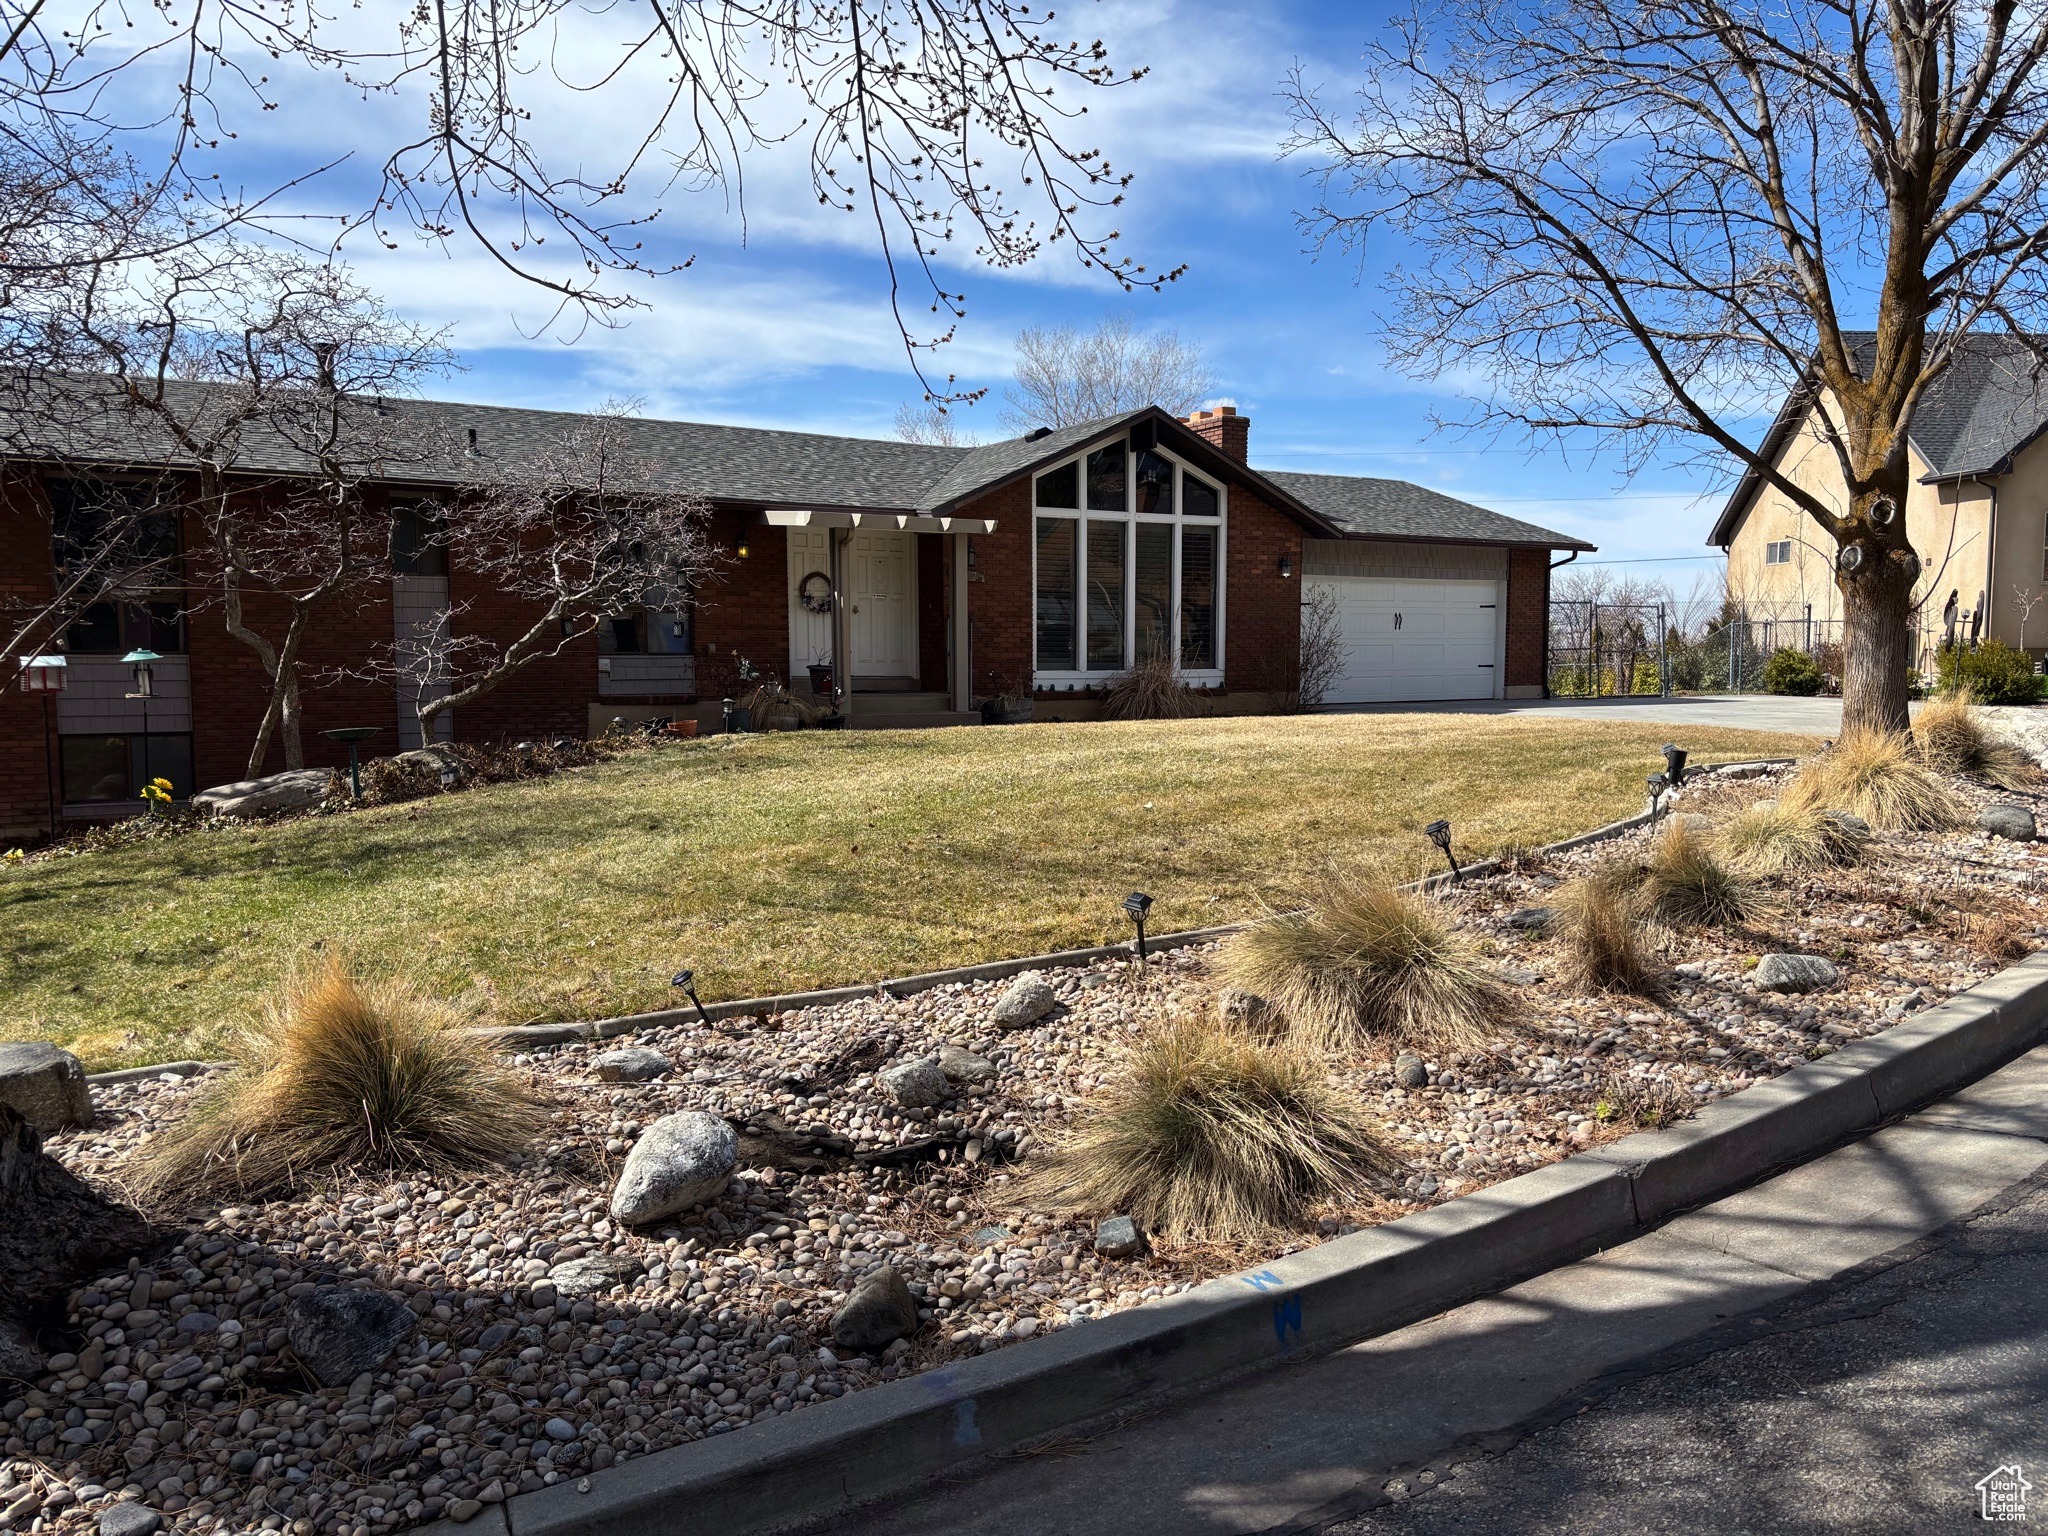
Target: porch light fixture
point(741, 549)
point(1286, 565)
point(1136, 906)
point(687, 980)
point(1674, 764)
point(1439, 832)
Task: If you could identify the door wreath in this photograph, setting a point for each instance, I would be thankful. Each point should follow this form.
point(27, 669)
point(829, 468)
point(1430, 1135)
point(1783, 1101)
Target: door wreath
point(814, 591)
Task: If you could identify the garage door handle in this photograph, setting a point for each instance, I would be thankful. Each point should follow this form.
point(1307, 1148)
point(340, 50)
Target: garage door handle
point(1487, 665)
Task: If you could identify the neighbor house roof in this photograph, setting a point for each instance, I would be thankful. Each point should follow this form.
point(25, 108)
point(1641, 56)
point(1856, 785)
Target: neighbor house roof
point(429, 442)
point(1991, 402)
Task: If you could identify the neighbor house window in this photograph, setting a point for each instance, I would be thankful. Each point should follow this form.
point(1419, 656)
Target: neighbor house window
point(1779, 552)
point(108, 770)
point(1128, 561)
point(119, 528)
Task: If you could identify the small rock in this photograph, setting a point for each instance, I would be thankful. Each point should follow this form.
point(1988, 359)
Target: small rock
point(339, 1334)
point(19, 1357)
point(634, 1064)
point(561, 1430)
point(1532, 919)
point(129, 1519)
point(2015, 823)
point(1239, 1009)
point(1519, 976)
point(988, 1237)
point(961, 1066)
point(1848, 821)
point(1693, 821)
point(1119, 1238)
point(679, 1161)
point(880, 1311)
point(465, 1509)
point(495, 1335)
point(1795, 973)
point(44, 1085)
point(1768, 803)
point(1025, 1001)
point(916, 1084)
point(594, 1274)
point(243, 1461)
point(1411, 1071)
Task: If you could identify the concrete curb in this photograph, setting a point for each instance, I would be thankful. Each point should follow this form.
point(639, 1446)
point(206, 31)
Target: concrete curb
point(805, 1465)
point(536, 1036)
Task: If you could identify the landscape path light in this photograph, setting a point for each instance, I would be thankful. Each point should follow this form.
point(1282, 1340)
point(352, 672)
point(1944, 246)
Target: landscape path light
point(1674, 764)
point(1137, 905)
point(1658, 784)
point(687, 980)
point(1439, 832)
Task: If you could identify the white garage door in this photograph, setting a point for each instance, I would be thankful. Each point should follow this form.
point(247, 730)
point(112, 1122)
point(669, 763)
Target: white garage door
point(1414, 640)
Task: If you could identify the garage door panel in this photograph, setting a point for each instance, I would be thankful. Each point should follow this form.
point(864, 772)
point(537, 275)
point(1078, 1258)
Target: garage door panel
point(1414, 640)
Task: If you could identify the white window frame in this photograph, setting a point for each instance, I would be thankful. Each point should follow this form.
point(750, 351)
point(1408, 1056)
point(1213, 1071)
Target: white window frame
point(1778, 552)
point(1071, 680)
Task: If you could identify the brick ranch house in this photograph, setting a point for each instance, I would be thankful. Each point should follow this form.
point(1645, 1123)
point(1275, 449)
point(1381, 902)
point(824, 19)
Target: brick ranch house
point(1048, 562)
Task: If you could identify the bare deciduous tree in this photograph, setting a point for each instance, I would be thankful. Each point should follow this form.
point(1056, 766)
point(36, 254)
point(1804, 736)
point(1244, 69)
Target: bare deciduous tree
point(1648, 222)
point(1067, 376)
point(928, 421)
point(571, 534)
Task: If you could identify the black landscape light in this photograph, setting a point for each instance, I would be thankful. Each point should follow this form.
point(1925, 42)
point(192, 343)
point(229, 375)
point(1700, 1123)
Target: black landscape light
point(687, 980)
point(1137, 904)
point(1674, 764)
point(1439, 832)
point(1658, 784)
point(353, 736)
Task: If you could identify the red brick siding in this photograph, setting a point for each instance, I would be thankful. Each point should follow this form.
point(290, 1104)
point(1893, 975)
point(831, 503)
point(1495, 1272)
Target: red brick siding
point(1528, 617)
point(1262, 608)
point(999, 597)
point(745, 608)
point(1225, 429)
point(931, 611)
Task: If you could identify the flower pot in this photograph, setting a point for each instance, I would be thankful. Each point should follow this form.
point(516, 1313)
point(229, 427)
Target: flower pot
point(737, 720)
point(683, 727)
point(832, 722)
point(1006, 711)
point(821, 680)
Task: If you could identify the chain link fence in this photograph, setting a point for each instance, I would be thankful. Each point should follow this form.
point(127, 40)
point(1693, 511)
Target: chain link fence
point(1631, 650)
point(1608, 650)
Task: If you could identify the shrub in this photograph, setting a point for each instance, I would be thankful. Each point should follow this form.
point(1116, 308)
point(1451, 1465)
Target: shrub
point(1366, 963)
point(1791, 671)
point(1149, 691)
point(1993, 672)
point(1684, 883)
point(343, 1074)
point(1951, 738)
point(1878, 776)
point(1599, 928)
point(1206, 1133)
point(1780, 839)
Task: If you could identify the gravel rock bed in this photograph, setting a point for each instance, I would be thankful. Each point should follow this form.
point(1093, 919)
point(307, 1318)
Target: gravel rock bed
point(549, 1343)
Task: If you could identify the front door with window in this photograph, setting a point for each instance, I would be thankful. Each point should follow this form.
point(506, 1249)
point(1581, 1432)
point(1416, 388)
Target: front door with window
point(882, 593)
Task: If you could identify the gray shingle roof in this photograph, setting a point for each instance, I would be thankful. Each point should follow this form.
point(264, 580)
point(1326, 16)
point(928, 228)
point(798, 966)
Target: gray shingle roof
point(1395, 509)
point(427, 442)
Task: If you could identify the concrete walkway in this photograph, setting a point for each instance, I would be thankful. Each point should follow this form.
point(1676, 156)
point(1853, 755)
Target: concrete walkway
point(1744, 711)
point(1681, 1382)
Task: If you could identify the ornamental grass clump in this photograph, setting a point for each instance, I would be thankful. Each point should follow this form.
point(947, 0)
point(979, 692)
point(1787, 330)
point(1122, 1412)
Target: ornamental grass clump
point(1602, 943)
point(1876, 775)
point(1683, 883)
point(1363, 964)
point(1208, 1133)
point(1777, 839)
point(1149, 691)
point(343, 1074)
point(1950, 737)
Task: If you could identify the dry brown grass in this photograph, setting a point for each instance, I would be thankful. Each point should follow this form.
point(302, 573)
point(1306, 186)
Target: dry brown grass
point(1208, 1133)
point(1684, 883)
point(1878, 776)
point(342, 1074)
point(1602, 945)
point(1779, 839)
point(1364, 964)
point(2000, 936)
point(1150, 691)
point(1951, 738)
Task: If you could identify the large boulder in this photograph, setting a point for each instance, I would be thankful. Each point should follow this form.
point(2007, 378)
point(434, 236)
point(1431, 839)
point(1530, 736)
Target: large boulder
point(880, 1311)
point(2012, 822)
point(55, 1229)
point(917, 1084)
point(338, 1334)
point(436, 759)
point(292, 790)
point(45, 1085)
point(1025, 1001)
point(1795, 973)
point(679, 1161)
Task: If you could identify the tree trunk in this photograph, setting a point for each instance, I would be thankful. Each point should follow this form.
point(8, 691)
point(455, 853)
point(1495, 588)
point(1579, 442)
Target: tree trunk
point(55, 1229)
point(1877, 611)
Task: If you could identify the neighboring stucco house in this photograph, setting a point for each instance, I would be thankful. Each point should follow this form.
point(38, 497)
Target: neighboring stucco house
point(1977, 512)
point(1046, 563)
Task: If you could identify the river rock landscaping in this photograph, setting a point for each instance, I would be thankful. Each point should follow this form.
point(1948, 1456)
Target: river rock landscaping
point(376, 1354)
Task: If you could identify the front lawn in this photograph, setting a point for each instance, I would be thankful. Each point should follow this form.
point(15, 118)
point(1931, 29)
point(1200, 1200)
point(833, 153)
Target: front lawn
point(778, 863)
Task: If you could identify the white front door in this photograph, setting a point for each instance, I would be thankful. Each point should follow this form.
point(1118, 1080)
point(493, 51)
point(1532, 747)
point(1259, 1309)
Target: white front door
point(810, 634)
point(882, 591)
point(1415, 640)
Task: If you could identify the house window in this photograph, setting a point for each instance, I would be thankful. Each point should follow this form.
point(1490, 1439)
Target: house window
point(113, 629)
point(119, 529)
point(1128, 561)
point(419, 539)
point(1778, 552)
point(108, 770)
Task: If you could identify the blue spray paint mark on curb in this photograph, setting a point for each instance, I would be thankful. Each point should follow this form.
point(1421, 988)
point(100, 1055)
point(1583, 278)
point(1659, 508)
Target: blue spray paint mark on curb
point(1286, 1315)
point(964, 1431)
point(1265, 1279)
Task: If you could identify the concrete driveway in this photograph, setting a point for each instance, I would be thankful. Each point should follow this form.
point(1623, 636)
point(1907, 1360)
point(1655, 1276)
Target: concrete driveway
point(1742, 711)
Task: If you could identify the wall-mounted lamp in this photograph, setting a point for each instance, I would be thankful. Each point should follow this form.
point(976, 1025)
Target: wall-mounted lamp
point(1286, 565)
point(970, 554)
point(743, 551)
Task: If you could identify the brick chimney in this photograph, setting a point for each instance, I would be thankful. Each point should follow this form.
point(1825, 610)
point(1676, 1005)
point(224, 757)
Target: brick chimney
point(1224, 428)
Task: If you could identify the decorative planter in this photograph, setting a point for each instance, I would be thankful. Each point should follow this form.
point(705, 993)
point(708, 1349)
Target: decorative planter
point(683, 727)
point(821, 680)
point(1000, 711)
point(737, 720)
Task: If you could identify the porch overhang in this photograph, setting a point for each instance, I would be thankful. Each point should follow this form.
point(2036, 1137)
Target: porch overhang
point(901, 522)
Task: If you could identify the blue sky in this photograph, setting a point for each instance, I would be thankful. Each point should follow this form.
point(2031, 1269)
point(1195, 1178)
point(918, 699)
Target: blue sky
point(785, 322)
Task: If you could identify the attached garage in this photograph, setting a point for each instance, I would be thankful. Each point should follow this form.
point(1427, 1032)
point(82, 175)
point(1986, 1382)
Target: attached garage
point(1414, 640)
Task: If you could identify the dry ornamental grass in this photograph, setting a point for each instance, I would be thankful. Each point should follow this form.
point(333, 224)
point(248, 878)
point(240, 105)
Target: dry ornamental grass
point(1878, 776)
point(1599, 924)
point(1364, 964)
point(1150, 691)
point(1208, 1133)
point(1685, 884)
point(1951, 738)
point(1768, 840)
point(343, 1074)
